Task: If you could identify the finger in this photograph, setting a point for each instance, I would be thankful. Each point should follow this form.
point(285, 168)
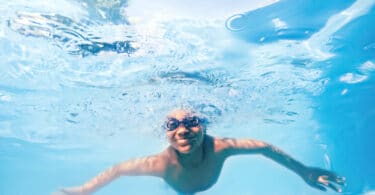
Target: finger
point(335, 178)
point(317, 186)
point(337, 189)
point(323, 180)
point(338, 180)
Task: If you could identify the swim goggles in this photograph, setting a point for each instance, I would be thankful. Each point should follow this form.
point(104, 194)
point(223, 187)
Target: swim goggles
point(188, 122)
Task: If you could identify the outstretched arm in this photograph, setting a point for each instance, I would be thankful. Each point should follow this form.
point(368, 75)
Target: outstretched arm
point(143, 166)
point(315, 177)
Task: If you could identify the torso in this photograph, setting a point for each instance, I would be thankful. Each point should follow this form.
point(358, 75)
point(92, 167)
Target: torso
point(197, 178)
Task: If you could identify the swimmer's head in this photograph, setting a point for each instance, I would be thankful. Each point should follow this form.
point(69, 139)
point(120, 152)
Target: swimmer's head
point(185, 130)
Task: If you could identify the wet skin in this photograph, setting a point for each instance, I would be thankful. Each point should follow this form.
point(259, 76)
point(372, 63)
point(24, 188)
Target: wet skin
point(192, 163)
point(194, 160)
point(197, 175)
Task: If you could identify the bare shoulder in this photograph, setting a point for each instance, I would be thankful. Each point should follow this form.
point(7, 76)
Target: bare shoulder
point(163, 158)
point(221, 144)
point(154, 165)
point(158, 163)
point(234, 146)
point(167, 157)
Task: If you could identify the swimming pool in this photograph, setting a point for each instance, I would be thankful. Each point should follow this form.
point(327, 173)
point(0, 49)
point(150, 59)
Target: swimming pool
point(86, 84)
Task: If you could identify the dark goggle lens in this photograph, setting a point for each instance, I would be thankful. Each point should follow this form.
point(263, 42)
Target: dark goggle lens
point(189, 122)
point(172, 124)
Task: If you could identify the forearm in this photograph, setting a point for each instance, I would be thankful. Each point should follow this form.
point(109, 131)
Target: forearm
point(284, 159)
point(140, 166)
point(100, 180)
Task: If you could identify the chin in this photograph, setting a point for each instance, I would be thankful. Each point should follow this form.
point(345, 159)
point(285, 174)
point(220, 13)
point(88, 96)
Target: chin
point(185, 150)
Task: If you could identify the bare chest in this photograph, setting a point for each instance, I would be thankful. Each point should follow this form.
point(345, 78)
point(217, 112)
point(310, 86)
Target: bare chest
point(194, 178)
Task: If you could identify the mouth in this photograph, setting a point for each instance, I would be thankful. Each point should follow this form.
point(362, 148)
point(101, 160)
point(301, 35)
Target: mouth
point(185, 142)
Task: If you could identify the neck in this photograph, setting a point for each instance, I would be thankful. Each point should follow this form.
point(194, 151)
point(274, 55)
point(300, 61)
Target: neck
point(194, 158)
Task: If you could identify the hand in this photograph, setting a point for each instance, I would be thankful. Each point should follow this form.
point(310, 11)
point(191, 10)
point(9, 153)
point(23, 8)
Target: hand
point(322, 179)
point(70, 191)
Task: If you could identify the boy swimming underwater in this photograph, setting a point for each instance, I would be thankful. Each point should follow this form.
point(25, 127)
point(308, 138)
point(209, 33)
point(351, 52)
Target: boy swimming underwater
point(194, 160)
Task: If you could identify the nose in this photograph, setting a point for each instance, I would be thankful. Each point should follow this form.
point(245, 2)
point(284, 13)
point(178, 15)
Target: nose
point(182, 130)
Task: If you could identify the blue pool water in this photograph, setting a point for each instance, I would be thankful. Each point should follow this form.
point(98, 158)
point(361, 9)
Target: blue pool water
point(86, 84)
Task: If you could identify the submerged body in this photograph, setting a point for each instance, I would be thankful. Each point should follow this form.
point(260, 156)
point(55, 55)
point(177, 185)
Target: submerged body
point(194, 160)
point(196, 176)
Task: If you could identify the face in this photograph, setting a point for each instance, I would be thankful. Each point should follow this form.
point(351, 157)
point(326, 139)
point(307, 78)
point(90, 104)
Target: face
point(185, 131)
